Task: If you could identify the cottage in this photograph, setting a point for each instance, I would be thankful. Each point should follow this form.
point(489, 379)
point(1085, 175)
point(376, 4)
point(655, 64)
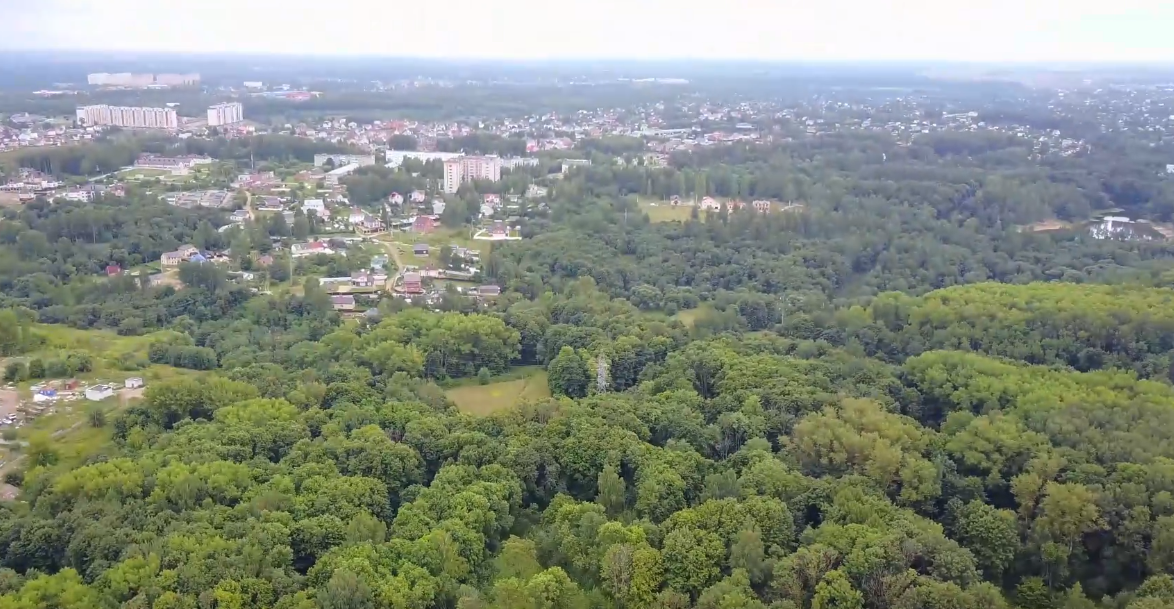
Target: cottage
point(299, 250)
point(318, 207)
point(420, 249)
point(492, 200)
point(424, 224)
point(413, 284)
point(343, 302)
point(112, 270)
point(761, 206)
point(134, 382)
point(418, 196)
point(171, 259)
point(710, 204)
point(97, 393)
point(361, 279)
point(395, 198)
point(489, 290)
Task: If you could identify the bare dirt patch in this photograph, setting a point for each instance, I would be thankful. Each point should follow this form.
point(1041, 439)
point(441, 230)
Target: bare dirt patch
point(9, 400)
point(1047, 225)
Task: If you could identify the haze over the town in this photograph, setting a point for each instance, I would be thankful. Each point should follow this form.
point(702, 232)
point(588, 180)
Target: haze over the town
point(835, 30)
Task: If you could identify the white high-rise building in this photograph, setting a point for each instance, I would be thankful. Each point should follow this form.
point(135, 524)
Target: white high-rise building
point(467, 168)
point(132, 117)
point(225, 114)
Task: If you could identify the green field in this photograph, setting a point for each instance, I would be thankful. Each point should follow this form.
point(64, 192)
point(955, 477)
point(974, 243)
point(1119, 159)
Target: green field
point(488, 399)
point(140, 173)
point(107, 349)
point(663, 212)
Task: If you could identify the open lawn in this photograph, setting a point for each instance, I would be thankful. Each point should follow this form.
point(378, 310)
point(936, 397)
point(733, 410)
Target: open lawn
point(487, 399)
point(663, 212)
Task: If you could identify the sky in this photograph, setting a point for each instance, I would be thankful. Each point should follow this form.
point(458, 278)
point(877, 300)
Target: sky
point(790, 30)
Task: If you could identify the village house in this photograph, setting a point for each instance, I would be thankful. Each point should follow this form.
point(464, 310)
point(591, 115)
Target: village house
point(535, 191)
point(424, 224)
point(487, 291)
point(417, 196)
point(395, 198)
point(413, 283)
point(134, 382)
point(361, 279)
point(420, 249)
point(113, 270)
point(492, 200)
point(761, 206)
point(438, 206)
point(268, 203)
point(710, 204)
point(299, 250)
point(183, 254)
point(343, 302)
point(318, 207)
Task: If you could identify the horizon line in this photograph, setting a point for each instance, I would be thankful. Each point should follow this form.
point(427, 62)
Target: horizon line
point(863, 62)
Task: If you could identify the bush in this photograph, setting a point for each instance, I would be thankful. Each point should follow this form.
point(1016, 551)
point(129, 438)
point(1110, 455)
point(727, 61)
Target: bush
point(96, 416)
point(483, 376)
point(15, 477)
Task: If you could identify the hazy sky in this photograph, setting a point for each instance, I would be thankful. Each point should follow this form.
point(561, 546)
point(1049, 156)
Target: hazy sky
point(881, 30)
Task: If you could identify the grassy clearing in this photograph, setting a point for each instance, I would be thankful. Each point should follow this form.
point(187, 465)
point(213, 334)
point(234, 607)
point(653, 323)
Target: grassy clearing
point(139, 173)
point(690, 316)
point(108, 349)
point(663, 212)
point(500, 395)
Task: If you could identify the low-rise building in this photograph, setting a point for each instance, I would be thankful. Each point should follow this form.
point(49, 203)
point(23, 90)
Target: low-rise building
point(98, 393)
point(413, 283)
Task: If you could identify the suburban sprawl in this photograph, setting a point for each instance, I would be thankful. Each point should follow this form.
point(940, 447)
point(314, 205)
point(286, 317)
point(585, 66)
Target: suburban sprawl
point(352, 334)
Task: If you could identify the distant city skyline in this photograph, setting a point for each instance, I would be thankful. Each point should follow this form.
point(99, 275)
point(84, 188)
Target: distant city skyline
point(999, 31)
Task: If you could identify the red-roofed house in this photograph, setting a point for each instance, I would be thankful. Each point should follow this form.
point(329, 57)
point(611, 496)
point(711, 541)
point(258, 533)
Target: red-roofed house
point(424, 224)
point(112, 270)
point(413, 284)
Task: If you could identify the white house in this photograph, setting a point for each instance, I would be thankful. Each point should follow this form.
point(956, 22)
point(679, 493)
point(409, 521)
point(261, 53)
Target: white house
point(98, 393)
point(134, 382)
point(317, 206)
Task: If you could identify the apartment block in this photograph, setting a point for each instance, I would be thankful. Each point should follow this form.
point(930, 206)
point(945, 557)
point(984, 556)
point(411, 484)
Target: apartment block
point(128, 116)
point(468, 168)
point(225, 114)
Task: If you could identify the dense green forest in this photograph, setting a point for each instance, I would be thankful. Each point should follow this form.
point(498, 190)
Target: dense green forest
point(887, 397)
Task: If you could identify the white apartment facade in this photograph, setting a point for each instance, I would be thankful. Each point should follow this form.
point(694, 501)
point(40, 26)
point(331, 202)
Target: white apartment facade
point(128, 116)
point(467, 168)
point(225, 114)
